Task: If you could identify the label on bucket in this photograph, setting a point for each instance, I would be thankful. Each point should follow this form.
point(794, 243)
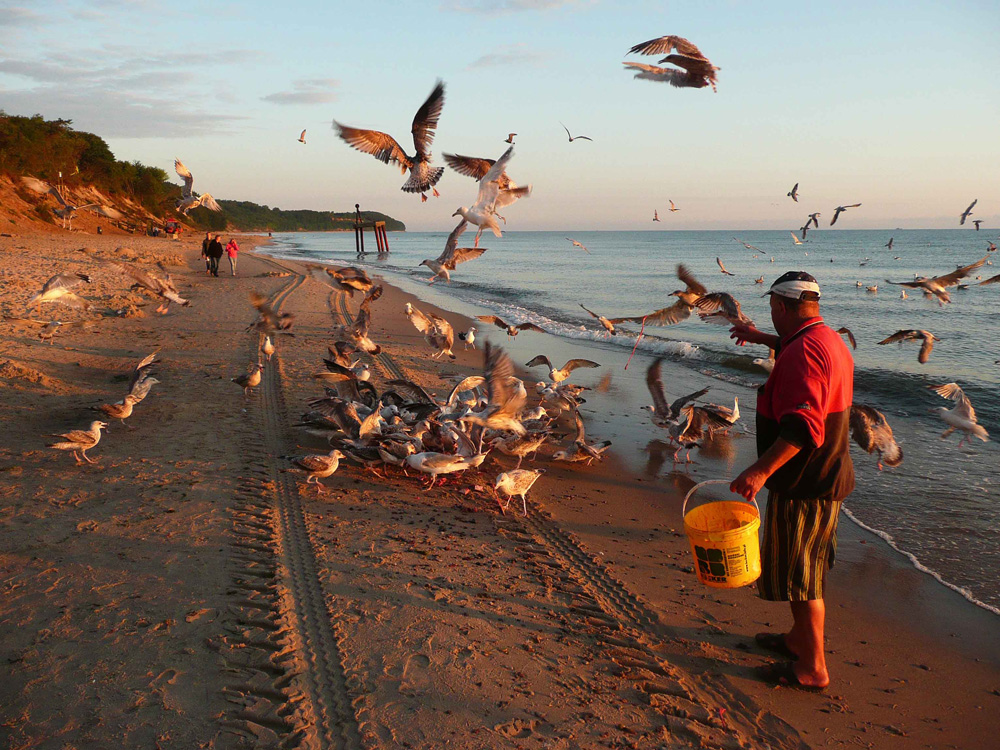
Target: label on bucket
point(716, 565)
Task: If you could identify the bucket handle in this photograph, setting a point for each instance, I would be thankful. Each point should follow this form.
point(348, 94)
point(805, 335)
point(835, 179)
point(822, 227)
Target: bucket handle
point(703, 484)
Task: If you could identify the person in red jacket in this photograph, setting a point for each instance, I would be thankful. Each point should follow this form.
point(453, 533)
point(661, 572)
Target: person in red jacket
point(803, 412)
point(232, 250)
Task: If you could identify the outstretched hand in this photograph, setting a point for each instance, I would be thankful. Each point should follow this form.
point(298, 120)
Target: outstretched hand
point(747, 333)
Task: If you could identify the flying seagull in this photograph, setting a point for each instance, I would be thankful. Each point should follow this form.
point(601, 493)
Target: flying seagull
point(977, 222)
point(697, 71)
point(794, 193)
point(575, 137)
point(839, 210)
point(562, 373)
point(579, 245)
point(452, 255)
point(926, 337)
point(511, 330)
point(850, 336)
point(188, 201)
point(673, 208)
point(163, 288)
point(483, 212)
point(656, 215)
point(873, 434)
point(302, 138)
point(722, 267)
point(605, 323)
point(889, 243)
point(59, 289)
point(938, 285)
point(967, 212)
point(795, 239)
point(962, 417)
point(478, 168)
point(814, 218)
point(438, 332)
point(386, 149)
point(67, 210)
point(510, 138)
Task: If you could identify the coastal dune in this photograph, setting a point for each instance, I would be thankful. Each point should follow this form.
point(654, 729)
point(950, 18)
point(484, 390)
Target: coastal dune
point(186, 591)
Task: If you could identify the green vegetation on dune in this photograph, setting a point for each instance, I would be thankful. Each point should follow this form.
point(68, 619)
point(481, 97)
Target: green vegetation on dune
point(43, 148)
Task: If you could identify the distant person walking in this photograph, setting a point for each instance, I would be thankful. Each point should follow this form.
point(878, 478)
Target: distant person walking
point(232, 250)
point(214, 255)
point(204, 252)
point(802, 444)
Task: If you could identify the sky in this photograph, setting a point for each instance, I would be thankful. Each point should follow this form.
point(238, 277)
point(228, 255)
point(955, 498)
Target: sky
point(895, 105)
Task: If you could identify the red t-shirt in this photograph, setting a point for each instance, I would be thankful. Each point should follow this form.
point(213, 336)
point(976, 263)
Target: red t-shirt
point(807, 401)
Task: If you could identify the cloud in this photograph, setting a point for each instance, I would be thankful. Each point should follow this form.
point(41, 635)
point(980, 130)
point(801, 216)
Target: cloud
point(15, 16)
point(494, 7)
point(514, 54)
point(306, 91)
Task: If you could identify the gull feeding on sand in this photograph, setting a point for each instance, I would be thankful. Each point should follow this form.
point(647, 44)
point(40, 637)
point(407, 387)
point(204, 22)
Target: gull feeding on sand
point(434, 464)
point(482, 213)
point(384, 147)
point(120, 411)
point(478, 168)
point(59, 289)
point(452, 256)
point(511, 330)
point(873, 434)
point(579, 449)
point(251, 380)
point(188, 201)
point(698, 72)
point(839, 210)
point(437, 331)
point(561, 374)
point(356, 334)
point(516, 483)
point(926, 337)
point(318, 466)
point(79, 441)
point(962, 417)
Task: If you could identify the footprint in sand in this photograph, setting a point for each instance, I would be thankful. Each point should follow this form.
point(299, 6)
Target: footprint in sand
point(415, 677)
point(517, 728)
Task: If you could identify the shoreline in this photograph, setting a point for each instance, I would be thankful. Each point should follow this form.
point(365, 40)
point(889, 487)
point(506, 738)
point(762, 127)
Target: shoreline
point(448, 621)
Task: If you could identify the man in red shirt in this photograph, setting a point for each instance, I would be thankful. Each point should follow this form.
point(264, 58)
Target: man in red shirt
point(802, 443)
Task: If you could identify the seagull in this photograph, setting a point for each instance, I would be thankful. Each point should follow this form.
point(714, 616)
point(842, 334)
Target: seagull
point(249, 381)
point(478, 168)
point(452, 255)
point(469, 337)
point(79, 441)
point(188, 201)
point(698, 72)
point(575, 137)
point(938, 285)
point(977, 222)
point(482, 213)
point(350, 279)
point(677, 312)
point(557, 376)
point(49, 328)
point(120, 411)
point(850, 336)
point(510, 138)
point(889, 243)
point(722, 308)
point(438, 332)
point(579, 245)
point(510, 329)
point(58, 289)
point(67, 210)
point(672, 208)
point(520, 447)
point(605, 323)
point(268, 321)
point(794, 193)
point(872, 289)
point(962, 417)
point(319, 466)
point(384, 147)
point(990, 280)
point(967, 212)
point(766, 364)
point(926, 337)
point(804, 230)
point(163, 288)
point(795, 239)
point(517, 482)
point(722, 267)
point(656, 215)
point(663, 413)
point(302, 138)
point(505, 401)
point(759, 280)
point(873, 434)
point(579, 450)
point(814, 218)
point(267, 347)
point(435, 464)
point(839, 210)
point(356, 334)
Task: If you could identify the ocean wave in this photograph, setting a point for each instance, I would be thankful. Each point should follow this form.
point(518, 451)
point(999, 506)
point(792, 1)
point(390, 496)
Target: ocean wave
point(888, 539)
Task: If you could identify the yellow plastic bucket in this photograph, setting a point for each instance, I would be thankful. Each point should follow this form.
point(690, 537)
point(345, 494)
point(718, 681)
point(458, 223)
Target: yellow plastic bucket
point(724, 540)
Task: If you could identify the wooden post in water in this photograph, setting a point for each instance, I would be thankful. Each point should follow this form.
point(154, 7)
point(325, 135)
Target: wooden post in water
point(359, 231)
point(381, 238)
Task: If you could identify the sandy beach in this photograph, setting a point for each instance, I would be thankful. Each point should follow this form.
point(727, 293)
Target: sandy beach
point(187, 591)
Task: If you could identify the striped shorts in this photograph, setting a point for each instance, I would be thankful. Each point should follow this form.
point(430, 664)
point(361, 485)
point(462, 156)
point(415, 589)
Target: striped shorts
point(800, 543)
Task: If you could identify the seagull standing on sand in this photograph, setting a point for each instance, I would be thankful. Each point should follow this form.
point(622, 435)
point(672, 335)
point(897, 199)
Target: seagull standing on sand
point(579, 245)
point(483, 212)
point(79, 441)
point(698, 71)
point(839, 210)
point(967, 212)
point(873, 434)
point(962, 417)
point(469, 337)
point(120, 411)
point(188, 201)
point(576, 137)
point(926, 337)
point(319, 467)
point(517, 482)
point(557, 376)
point(384, 147)
point(251, 380)
point(267, 348)
point(59, 289)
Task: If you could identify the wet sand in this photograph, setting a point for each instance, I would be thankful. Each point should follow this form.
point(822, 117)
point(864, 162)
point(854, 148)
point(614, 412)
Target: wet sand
point(185, 591)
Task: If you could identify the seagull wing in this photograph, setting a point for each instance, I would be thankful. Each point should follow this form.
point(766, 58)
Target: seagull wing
point(425, 122)
point(720, 300)
point(950, 279)
point(678, 405)
point(412, 390)
point(850, 336)
point(899, 336)
point(65, 281)
point(489, 186)
point(573, 364)
point(380, 145)
point(655, 385)
point(420, 321)
point(470, 166)
point(494, 320)
point(991, 280)
point(692, 284)
point(925, 349)
point(452, 242)
point(529, 327)
point(461, 255)
point(207, 201)
point(26, 321)
point(952, 391)
point(722, 267)
point(966, 212)
point(592, 313)
point(666, 44)
point(539, 359)
point(467, 384)
point(364, 316)
point(499, 374)
point(581, 434)
point(185, 174)
point(667, 316)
